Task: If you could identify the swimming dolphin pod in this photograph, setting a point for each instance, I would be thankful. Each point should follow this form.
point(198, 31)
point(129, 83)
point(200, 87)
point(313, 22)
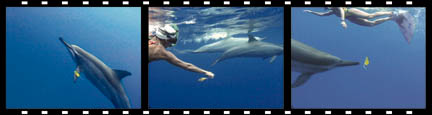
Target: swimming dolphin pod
point(107, 80)
point(241, 47)
point(309, 61)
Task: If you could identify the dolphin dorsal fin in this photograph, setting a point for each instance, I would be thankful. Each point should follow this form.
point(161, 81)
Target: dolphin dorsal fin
point(121, 73)
point(252, 38)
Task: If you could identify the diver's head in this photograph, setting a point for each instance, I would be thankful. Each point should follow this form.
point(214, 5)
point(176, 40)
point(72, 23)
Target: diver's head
point(168, 34)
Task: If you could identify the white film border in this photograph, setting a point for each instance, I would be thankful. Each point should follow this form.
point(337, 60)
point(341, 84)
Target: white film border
point(210, 3)
point(218, 112)
point(214, 3)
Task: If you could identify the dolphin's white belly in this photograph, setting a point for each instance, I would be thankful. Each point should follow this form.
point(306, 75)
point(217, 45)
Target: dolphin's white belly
point(308, 68)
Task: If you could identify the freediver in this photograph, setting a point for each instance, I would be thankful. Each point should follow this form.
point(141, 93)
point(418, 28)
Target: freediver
point(163, 38)
point(356, 16)
point(405, 21)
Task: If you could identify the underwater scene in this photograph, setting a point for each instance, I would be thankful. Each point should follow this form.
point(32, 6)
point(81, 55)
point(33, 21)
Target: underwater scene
point(73, 58)
point(216, 57)
point(358, 57)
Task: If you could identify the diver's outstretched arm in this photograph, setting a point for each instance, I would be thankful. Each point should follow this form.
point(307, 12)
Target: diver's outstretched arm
point(330, 12)
point(171, 58)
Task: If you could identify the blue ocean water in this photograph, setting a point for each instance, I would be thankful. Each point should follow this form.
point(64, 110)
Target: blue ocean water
point(395, 77)
point(39, 69)
point(239, 82)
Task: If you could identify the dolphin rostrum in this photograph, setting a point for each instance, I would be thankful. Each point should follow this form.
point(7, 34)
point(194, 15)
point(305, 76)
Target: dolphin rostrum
point(107, 80)
point(252, 48)
point(309, 61)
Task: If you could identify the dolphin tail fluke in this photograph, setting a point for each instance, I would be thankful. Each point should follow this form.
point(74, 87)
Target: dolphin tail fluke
point(347, 63)
point(125, 106)
point(301, 80)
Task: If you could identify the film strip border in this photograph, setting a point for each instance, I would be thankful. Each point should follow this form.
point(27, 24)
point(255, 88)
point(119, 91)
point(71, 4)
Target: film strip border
point(167, 3)
point(209, 3)
point(219, 112)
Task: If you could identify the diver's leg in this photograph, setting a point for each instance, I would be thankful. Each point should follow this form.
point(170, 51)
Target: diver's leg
point(356, 13)
point(381, 20)
point(366, 22)
point(382, 13)
point(361, 14)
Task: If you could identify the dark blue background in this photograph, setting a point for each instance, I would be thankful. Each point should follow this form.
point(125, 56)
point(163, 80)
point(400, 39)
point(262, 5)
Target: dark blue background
point(39, 69)
point(396, 74)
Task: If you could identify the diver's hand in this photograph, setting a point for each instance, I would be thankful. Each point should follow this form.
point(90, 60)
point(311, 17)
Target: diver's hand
point(344, 25)
point(209, 74)
point(307, 11)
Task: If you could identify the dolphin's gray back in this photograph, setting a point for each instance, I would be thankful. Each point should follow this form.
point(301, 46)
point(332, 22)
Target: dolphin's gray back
point(101, 75)
point(222, 45)
point(254, 49)
point(309, 61)
point(309, 55)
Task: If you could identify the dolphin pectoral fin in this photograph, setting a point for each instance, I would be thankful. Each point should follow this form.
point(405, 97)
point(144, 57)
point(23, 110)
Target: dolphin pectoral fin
point(272, 59)
point(121, 73)
point(301, 79)
point(214, 63)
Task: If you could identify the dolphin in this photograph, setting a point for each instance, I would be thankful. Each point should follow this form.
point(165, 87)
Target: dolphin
point(227, 43)
point(221, 45)
point(253, 48)
point(107, 80)
point(309, 61)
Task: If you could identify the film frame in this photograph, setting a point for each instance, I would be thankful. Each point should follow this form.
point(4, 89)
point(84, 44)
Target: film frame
point(287, 5)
